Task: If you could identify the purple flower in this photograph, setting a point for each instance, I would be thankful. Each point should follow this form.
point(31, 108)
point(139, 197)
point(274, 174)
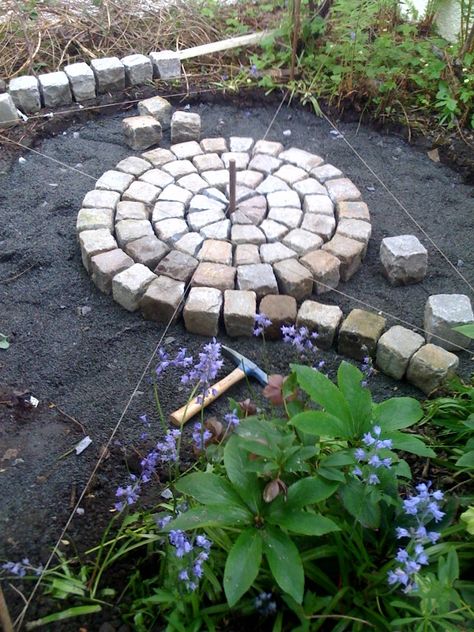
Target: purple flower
point(192, 558)
point(181, 360)
point(167, 449)
point(253, 70)
point(232, 419)
point(264, 603)
point(261, 323)
point(370, 458)
point(162, 522)
point(299, 337)
point(20, 569)
point(205, 371)
point(180, 542)
point(129, 496)
point(367, 369)
point(201, 436)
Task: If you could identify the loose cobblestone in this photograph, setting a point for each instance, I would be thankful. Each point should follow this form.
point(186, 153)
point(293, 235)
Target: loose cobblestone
point(404, 259)
point(443, 312)
point(323, 319)
point(129, 285)
point(239, 312)
point(163, 300)
point(202, 311)
point(141, 132)
point(430, 367)
point(395, 349)
point(82, 80)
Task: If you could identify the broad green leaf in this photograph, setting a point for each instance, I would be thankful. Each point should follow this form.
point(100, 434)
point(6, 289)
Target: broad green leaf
point(245, 483)
point(322, 391)
point(468, 518)
point(4, 344)
point(397, 413)
point(308, 491)
point(409, 443)
point(319, 423)
point(467, 330)
point(469, 422)
point(332, 474)
point(304, 523)
point(78, 611)
point(284, 561)
point(242, 565)
point(349, 380)
point(466, 460)
point(217, 516)
point(208, 489)
point(260, 448)
point(448, 568)
point(357, 501)
point(338, 459)
point(69, 586)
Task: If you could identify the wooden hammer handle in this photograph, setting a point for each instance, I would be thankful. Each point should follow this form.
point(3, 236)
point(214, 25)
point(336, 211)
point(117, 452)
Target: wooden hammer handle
point(184, 414)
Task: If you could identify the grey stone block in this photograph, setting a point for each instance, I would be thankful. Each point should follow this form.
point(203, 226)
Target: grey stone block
point(8, 114)
point(93, 242)
point(323, 319)
point(177, 265)
point(129, 286)
point(301, 158)
point(158, 108)
point(94, 218)
point(101, 199)
point(404, 259)
point(293, 279)
point(162, 301)
point(82, 80)
point(258, 277)
point(239, 312)
point(25, 94)
point(133, 165)
point(442, 313)
point(348, 251)
point(138, 69)
point(131, 229)
point(430, 367)
point(185, 126)
point(147, 250)
point(395, 349)
point(360, 333)
point(131, 210)
point(202, 311)
point(109, 74)
point(140, 191)
point(114, 181)
point(141, 132)
point(325, 270)
point(271, 253)
point(106, 265)
point(166, 65)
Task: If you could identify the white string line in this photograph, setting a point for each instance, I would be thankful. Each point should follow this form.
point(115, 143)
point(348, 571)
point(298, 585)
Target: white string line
point(275, 115)
point(19, 620)
point(399, 203)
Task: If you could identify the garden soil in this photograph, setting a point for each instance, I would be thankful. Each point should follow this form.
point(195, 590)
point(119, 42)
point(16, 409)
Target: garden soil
point(84, 357)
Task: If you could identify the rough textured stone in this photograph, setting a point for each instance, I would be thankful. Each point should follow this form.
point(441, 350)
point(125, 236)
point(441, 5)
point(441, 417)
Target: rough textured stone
point(138, 70)
point(442, 313)
point(109, 74)
point(193, 182)
point(131, 229)
point(82, 81)
point(190, 244)
point(274, 231)
point(216, 251)
point(241, 159)
point(8, 114)
point(430, 367)
point(279, 199)
point(216, 177)
point(239, 312)
point(355, 229)
point(342, 189)
point(360, 333)
point(177, 265)
point(179, 168)
point(201, 203)
point(214, 275)
point(395, 349)
point(185, 126)
point(208, 162)
point(322, 225)
point(129, 286)
point(309, 186)
point(157, 177)
point(170, 230)
point(348, 251)
point(246, 234)
point(218, 230)
point(404, 259)
point(140, 191)
point(240, 143)
point(131, 210)
point(141, 132)
point(215, 194)
point(101, 199)
point(55, 89)
point(166, 65)
point(290, 217)
point(301, 158)
point(159, 156)
point(114, 181)
point(174, 193)
point(93, 242)
point(246, 254)
point(25, 94)
point(281, 310)
point(158, 108)
point(147, 250)
point(302, 241)
point(267, 147)
point(319, 204)
point(271, 253)
point(167, 210)
point(197, 221)
point(325, 270)
point(216, 145)
point(326, 172)
point(352, 210)
point(293, 279)
point(106, 265)
point(162, 301)
point(133, 165)
point(290, 174)
point(202, 311)
point(94, 218)
point(258, 277)
point(272, 185)
point(249, 178)
point(265, 163)
point(323, 319)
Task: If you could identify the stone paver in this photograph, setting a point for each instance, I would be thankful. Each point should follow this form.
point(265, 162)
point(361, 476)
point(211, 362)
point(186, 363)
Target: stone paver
point(158, 108)
point(129, 285)
point(159, 156)
point(202, 202)
point(190, 244)
point(133, 165)
point(157, 177)
point(141, 132)
point(216, 251)
point(101, 199)
point(174, 193)
point(355, 229)
point(404, 259)
point(94, 218)
point(109, 74)
point(246, 234)
point(290, 217)
point(264, 163)
point(348, 251)
point(267, 147)
point(258, 277)
point(170, 230)
point(322, 225)
point(147, 250)
point(214, 275)
point(166, 64)
point(246, 254)
point(279, 199)
point(216, 177)
point(293, 279)
point(163, 300)
point(215, 194)
point(185, 126)
point(323, 319)
point(167, 210)
point(8, 113)
point(93, 242)
point(272, 185)
point(430, 367)
point(342, 189)
point(290, 174)
point(248, 215)
point(131, 229)
point(271, 253)
point(249, 178)
point(218, 230)
point(114, 181)
point(395, 349)
point(55, 89)
point(326, 172)
point(179, 168)
point(140, 191)
point(193, 182)
point(217, 145)
point(352, 210)
point(309, 186)
point(241, 159)
point(138, 70)
point(359, 334)
point(208, 162)
point(82, 81)
point(106, 265)
point(443, 312)
point(325, 270)
point(319, 204)
point(280, 310)
point(301, 158)
point(239, 312)
point(202, 311)
point(302, 241)
point(177, 265)
point(240, 143)
point(197, 221)
point(274, 231)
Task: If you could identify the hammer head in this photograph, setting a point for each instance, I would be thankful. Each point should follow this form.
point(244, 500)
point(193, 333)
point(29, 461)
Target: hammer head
point(247, 366)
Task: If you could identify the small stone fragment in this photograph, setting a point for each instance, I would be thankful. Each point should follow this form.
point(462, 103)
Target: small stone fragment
point(348, 251)
point(106, 265)
point(214, 275)
point(202, 311)
point(162, 301)
point(239, 312)
point(216, 251)
point(93, 242)
point(166, 65)
point(360, 333)
point(177, 265)
point(185, 126)
point(443, 312)
point(293, 279)
point(147, 250)
point(55, 89)
point(395, 349)
point(141, 132)
point(280, 310)
point(129, 286)
point(323, 319)
point(325, 270)
point(109, 74)
point(138, 70)
point(404, 259)
point(258, 277)
point(430, 367)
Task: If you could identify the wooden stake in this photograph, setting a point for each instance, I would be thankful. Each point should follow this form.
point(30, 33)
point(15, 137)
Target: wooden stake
point(5, 620)
point(296, 36)
point(216, 47)
point(232, 186)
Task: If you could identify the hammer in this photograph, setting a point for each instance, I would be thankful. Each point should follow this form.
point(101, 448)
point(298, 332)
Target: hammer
point(244, 367)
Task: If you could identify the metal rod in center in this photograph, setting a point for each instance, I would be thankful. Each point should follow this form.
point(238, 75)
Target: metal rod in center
point(232, 185)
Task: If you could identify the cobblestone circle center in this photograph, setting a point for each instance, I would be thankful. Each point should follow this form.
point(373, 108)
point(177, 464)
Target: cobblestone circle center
point(159, 221)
